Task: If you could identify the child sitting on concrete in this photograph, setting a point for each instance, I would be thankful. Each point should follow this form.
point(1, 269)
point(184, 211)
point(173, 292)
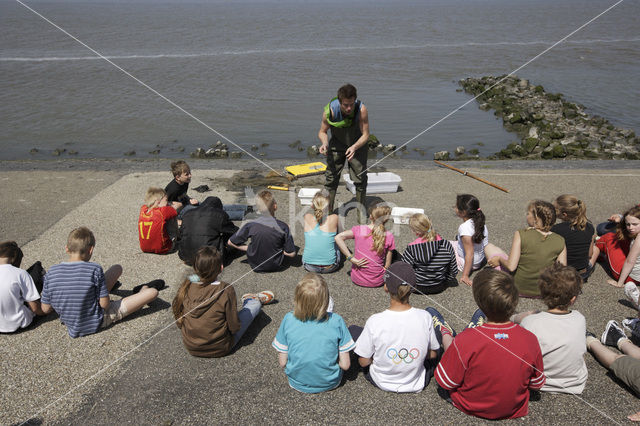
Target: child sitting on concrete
point(177, 189)
point(153, 222)
point(205, 308)
point(559, 330)
point(270, 238)
point(19, 297)
point(313, 344)
point(489, 368)
point(397, 343)
point(625, 366)
point(432, 258)
point(78, 290)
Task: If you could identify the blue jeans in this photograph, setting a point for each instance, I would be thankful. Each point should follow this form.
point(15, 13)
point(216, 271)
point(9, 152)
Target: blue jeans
point(235, 211)
point(250, 310)
point(324, 269)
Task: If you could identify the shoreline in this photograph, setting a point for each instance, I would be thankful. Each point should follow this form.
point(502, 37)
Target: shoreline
point(125, 165)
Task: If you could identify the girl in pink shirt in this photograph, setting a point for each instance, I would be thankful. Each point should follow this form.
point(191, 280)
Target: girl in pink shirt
point(373, 246)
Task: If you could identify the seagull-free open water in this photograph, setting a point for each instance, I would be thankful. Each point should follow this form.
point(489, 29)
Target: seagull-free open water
point(259, 73)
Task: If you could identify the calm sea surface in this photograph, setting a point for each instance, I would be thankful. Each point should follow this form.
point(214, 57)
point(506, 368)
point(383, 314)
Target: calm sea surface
point(260, 73)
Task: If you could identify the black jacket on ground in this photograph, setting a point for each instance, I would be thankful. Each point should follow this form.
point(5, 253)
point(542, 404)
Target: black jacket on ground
point(206, 225)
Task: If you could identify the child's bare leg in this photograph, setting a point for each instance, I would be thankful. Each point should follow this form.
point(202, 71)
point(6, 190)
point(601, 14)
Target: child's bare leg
point(447, 340)
point(111, 276)
point(602, 353)
point(136, 301)
point(627, 347)
point(634, 417)
point(595, 255)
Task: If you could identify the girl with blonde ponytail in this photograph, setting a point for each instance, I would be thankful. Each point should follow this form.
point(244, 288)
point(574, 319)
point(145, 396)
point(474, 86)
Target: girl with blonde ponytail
point(577, 231)
point(373, 248)
point(320, 228)
point(432, 258)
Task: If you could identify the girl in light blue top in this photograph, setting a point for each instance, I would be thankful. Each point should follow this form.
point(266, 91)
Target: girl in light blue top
point(320, 252)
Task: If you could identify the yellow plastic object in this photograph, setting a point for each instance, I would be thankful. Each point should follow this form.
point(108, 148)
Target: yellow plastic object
point(308, 169)
point(281, 188)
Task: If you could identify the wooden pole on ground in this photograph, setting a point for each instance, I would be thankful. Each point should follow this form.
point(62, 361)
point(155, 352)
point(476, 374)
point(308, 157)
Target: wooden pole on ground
point(470, 175)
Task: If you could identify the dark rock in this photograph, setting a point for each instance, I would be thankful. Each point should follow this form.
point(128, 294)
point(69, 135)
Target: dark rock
point(202, 188)
point(130, 153)
point(236, 154)
point(34, 151)
point(556, 134)
point(254, 147)
point(460, 150)
point(73, 152)
point(58, 151)
point(313, 150)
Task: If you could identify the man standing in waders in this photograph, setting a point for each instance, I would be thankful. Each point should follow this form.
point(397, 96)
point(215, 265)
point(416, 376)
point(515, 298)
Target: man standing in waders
point(348, 120)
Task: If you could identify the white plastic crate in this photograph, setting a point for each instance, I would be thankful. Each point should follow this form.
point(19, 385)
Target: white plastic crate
point(306, 195)
point(402, 215)
point(378, 183)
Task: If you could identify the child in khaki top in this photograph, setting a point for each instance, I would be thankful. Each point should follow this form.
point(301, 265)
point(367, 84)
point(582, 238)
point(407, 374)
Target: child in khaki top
point(206, 312)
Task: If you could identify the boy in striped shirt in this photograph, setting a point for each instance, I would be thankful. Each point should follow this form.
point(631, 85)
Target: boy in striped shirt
point(489, 368)
point(78, 290)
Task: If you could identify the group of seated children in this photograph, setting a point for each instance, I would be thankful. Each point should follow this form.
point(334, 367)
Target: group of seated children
point(399, 348)
point(78, 290)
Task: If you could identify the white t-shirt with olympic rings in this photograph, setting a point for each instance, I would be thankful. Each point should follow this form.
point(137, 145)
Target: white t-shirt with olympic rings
point(398, 343)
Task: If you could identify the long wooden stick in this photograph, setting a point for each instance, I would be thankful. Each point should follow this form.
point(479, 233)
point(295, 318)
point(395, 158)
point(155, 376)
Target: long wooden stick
point(470, 175)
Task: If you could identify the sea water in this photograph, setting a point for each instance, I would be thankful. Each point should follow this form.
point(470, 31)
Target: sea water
point(162, 78)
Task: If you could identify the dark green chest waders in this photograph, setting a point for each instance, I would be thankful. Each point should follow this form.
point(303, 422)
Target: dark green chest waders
point(341, 139)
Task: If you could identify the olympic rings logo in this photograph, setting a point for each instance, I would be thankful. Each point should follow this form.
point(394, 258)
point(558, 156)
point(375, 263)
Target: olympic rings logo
point(403, 355)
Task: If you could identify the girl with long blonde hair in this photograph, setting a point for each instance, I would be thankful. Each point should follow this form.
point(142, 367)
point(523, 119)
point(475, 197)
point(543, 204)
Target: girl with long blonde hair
point(320, 228)
point(373, 248)
point(577, 231)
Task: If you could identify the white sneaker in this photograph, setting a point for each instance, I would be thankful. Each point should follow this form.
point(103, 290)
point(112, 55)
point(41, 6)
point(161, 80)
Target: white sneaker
point(632, 293)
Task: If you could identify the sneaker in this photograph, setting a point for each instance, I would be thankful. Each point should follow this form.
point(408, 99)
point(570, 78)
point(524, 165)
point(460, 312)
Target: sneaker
point(116, 286)
point(440, 326)
point(612, 334)
point(157, 284)
point(477, 319)
point(265, 297)
point(630, 325)
point(632, 293)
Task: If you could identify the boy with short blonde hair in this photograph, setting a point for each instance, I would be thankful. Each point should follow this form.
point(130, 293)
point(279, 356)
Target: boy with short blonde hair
point(78, 290)
point(270, 238)
point(153, 222)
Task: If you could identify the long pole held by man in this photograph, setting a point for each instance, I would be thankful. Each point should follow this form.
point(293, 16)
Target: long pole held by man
point(348, 120)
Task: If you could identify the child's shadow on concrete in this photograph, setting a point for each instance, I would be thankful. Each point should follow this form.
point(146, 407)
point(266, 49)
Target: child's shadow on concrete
point(259, 323)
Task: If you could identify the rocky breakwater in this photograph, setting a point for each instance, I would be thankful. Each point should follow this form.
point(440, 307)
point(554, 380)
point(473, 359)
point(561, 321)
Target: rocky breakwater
point(548, 125)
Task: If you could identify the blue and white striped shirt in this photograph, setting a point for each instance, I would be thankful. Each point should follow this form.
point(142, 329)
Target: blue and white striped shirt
point(74, 290)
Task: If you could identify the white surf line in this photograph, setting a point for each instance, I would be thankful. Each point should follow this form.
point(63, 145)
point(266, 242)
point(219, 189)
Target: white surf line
point(130, 351)
point(602, 413)
point(499, 81)
point(148, 87)
point(310, 50)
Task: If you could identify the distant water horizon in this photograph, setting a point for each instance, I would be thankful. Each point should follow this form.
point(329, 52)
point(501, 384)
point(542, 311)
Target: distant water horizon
point(260, 73)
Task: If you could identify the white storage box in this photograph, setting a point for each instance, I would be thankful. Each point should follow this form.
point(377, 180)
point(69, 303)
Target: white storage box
point(378, 183)
point(306, 195)
point(403, 214)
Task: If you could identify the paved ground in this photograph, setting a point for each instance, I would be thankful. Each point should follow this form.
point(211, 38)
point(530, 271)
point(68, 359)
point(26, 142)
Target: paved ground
point(139, 372)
